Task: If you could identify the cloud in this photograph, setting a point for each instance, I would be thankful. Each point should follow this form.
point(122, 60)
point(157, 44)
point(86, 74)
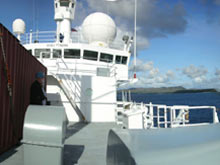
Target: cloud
point(212, 2)
point(162, 20)
point(165, 78)
point(170, 74)
point(198, 74)
point(154, 18)
point(142, 41)
point(150, 76)
point(81, 13)
point(209, 8)
point(141, 66)
point(217, 2)
point(153, 73)
point(159, 80)
point(217, 73)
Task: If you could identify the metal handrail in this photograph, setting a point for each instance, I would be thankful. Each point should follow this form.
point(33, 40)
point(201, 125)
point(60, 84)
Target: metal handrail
point(50, 36)
point(178, 114)
point(112, 67)
point(176, 118)
point(77, 86)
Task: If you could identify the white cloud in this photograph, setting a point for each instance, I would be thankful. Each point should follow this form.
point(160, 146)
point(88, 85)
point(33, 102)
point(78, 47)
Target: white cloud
point(153, 73)
point(170, 74)
point(198, 74)
point(150, 76)
point(217, 73)
point(153, 20)
point(141, 66)
point(217, 2)
point(199, 79)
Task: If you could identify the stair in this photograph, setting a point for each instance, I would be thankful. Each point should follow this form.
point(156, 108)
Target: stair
point(70, 96)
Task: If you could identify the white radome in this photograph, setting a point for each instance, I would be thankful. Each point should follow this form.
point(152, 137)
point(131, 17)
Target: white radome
point(18, 26)
point(99, 28)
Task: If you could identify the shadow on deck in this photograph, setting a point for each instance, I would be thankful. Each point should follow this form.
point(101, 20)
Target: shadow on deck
point(72, 153)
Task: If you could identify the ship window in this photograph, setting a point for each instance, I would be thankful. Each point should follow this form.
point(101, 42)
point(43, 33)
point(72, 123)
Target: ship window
point(64, 3)
point(57, 53)
point(43, 53)
point(90, 55)
point(118, 60)
point(124, 60)
point(72, 5)
point(121, 60)
point(72, 53)
point(56, 5)
point(106, 57)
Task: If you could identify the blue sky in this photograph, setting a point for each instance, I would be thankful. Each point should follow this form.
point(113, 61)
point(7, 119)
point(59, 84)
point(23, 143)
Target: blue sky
point(178, 40)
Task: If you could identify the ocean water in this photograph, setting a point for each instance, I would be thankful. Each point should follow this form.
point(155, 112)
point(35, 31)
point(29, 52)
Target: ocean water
point(191, 99)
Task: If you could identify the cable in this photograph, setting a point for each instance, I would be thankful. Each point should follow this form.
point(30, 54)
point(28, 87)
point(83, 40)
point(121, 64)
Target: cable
point(9, 85)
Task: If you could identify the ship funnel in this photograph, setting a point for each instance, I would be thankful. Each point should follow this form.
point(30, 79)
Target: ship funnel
point(18, 27)
point(64, 15)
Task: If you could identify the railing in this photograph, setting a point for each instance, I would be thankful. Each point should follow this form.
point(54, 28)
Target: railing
point(39, 37)
point(71, 81)
point(79, 65)
point(163, 116)
point(50, 37)
point(71, 88)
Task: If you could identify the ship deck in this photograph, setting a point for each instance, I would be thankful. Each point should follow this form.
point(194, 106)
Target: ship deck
point(85, 144)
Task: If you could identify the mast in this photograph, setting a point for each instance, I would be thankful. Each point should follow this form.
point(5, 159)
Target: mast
point(64, 15)
point(135, 37)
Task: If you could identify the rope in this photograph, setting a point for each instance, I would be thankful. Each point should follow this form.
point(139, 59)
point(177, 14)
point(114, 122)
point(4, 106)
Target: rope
point(9, 85)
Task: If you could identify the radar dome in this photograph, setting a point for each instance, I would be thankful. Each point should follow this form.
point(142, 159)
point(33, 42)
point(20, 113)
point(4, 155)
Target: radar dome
point(18, 26)
point(99, 28)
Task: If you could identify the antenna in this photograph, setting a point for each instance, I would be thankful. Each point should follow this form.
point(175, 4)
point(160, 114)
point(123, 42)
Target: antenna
point(18, 27)
point(135, 37)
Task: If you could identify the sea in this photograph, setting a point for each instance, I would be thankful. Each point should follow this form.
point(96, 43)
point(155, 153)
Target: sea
point(191, 99)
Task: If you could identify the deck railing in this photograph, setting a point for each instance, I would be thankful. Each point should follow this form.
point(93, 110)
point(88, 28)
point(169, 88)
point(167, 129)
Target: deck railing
point(75, 37)
point(163, 116)
point(79, 65)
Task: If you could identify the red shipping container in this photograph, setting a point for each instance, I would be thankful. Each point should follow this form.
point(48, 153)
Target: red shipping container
point(22, 67)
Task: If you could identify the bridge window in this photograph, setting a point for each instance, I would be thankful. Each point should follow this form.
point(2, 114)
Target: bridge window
point(57, 53)
point(118, 60)
point(64, 3)
point(42, 53)
point(106, 57)
point(90, 55)
point(72, 53)
point(121, 60)
point(124, 60)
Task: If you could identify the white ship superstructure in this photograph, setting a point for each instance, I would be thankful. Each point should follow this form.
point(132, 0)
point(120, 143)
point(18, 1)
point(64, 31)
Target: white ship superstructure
point(87, 64)
point(85, 67)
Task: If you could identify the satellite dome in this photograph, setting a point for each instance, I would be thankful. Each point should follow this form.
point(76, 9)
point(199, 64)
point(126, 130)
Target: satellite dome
point(99, 29)
point(18, 26)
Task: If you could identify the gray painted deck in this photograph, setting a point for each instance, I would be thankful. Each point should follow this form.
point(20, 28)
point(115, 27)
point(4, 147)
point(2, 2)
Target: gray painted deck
point(85, 144)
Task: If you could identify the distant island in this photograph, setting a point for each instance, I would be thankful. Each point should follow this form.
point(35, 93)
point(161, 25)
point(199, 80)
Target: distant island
point(178, 89)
